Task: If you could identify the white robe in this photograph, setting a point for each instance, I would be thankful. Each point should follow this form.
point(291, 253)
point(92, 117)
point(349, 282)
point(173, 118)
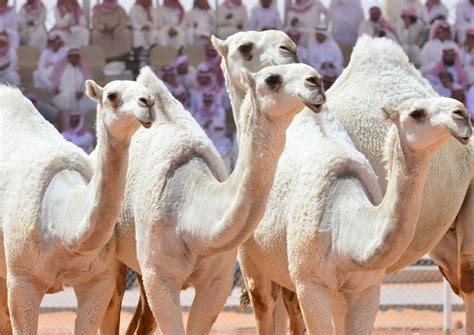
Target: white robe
point(470, 101)
point(139, 20)
point(431, 53)
point(78, 34)
point(265, 18)
point(347, 15)
point(72, 81)
point(316, 16)
point(467, 59)
point(33, 35)
point(227, 27)
point(9, 23)
point(410, 40)
point(169, 18)
point(464, 19)
point(9, 74)
point(326, 52)
point(436, 11)
point(200, 22)
point(41, 77)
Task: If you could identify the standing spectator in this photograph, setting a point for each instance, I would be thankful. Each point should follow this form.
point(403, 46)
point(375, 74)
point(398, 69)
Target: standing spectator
point(201, 23)
point(54, 52)
point(433, 10)
point(223, 144)
point(265, 16)
point(433, 49)
point(144, 19)
point(77, 134)
point(32, 19)
point(409, 32)
point(185, 73)
point(110, 30)
point(231, 18)
point(377, 26)
point(305, 15)
point(9, 23)
point(295, 36)
point(172, 23)
point(8, 62)
point(467, 55)
point(451, 62)
point(464, 18)
point(347, 16)
point(67, 83)
point(71, 23)
point(325, 53)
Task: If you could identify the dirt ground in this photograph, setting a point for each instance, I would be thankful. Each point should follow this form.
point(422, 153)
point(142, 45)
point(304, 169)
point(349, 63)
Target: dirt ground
point(399, 322)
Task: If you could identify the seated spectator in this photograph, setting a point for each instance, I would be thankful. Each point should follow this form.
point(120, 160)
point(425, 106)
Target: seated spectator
point(458, 93)
point(265, 16)
point(347, 16)
point(451, 62)
point(54, 52)
point(77, 134)
point(433, 10)
point(443, 83)
point(8, 62)
point(172, 21)
point(470, 102)
point(185, 73)
point(213, 59)
point(71, 23)
point(295, 36)
point(231, 18)
point(181, 95)
point(110, 30)
point(67, 83)
point(144, 21)
point(409, 32)
point(325, 53)
point(205, 82)
point(223, 144)
point(467, 55)
point(208, 110)
point(305, 15)
point(433, 49)
point(200, 23)
point(32, 19)
point(464, 18)
point(9, 23)
point(377, 26)
point(49, 112)
point(168, 75)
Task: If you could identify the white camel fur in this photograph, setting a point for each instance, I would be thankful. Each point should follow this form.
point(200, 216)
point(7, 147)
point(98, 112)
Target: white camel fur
point(346, 110)
point(181, 222)
point(57, 212)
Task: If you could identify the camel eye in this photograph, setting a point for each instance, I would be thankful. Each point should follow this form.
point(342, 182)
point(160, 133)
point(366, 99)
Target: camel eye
point(274, 81)
point(418, 114)
point(112, 97)
point(245, 50)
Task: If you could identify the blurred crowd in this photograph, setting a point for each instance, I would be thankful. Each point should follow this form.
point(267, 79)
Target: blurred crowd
point(324, 35)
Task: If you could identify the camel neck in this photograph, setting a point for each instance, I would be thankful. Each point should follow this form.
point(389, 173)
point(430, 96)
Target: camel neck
point(236, 96)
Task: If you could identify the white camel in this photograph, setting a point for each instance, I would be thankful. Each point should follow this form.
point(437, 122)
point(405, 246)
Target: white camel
point(355, 101)
point(181, 222)
point(58, 213)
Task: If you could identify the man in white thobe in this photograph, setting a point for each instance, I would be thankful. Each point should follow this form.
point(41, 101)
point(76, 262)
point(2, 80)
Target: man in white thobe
point(265, 16)
point(231, 18)
point(377, 26)
point(464, 18)
point(347, 15)
point(325, 53)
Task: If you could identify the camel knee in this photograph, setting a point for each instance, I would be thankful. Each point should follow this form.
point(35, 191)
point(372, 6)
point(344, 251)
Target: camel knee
point(467, 277)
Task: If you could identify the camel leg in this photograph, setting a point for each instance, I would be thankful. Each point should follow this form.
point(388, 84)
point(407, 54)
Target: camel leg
point(24, 300)
point(110, 324)
point(163, 296)
point(315, 303)
point(209, 302)
point(143, 321)
point(93, 297)
point(263, 294)
point(293, 309)
point(5, 324)
point(361, 311)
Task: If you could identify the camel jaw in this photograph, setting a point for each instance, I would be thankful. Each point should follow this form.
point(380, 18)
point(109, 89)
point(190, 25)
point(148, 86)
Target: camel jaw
point(316, 108)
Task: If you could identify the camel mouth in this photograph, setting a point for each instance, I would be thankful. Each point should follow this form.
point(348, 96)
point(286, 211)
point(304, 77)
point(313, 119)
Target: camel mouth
point(462, 139)
point(316, 108)
point(146, 124)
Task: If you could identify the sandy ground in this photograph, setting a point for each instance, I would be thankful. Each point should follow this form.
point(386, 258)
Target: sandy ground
point(406, 321)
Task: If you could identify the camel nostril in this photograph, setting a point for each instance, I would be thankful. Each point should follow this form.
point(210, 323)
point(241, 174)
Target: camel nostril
point(145, 102)
point(459, 114)
point(312, 82)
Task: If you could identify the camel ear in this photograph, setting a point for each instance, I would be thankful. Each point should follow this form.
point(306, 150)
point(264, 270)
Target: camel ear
point(220, 46)
point(94, 90)
point(246, 77)
point(150, 80)
point(390, 114)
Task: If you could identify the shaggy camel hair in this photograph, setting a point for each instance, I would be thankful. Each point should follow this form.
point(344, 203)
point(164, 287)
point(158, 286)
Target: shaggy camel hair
point(58, 213)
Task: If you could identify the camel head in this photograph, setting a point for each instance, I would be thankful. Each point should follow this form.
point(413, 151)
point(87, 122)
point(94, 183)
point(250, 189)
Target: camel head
point(253, 51)
point(425, 124)
point(123, 105)
point(284, 90)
